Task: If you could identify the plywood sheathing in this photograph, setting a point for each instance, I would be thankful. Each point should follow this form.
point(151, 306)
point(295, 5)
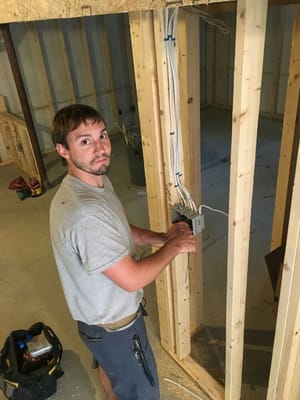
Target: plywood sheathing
point(250, 39)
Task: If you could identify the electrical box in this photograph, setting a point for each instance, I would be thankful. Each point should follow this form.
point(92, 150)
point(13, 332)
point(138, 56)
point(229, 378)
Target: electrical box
point(191, 217)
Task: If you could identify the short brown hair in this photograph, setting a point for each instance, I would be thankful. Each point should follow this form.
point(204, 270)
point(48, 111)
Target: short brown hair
point(69, 118)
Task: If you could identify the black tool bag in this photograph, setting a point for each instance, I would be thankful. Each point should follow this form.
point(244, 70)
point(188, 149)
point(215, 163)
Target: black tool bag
point(28, 372)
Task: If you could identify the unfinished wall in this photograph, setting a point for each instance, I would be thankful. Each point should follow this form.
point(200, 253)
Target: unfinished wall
point(86, 60)
point(89, 60)
point(220, 61)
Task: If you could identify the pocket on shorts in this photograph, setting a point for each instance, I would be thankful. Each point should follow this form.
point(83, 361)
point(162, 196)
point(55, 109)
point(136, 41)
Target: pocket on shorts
point(90, 333)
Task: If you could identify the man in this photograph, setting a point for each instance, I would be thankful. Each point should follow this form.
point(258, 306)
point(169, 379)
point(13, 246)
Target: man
point(93, 246)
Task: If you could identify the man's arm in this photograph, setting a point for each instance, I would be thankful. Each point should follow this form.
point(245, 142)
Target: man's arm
point(132, 275)
point(145, 236)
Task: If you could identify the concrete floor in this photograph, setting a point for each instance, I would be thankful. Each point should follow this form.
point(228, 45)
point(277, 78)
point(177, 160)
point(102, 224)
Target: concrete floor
point(31, 289)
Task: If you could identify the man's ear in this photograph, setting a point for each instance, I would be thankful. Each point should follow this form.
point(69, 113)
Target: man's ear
point(62, 151)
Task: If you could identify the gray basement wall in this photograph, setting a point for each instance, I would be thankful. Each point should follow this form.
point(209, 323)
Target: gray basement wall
point(88, 60)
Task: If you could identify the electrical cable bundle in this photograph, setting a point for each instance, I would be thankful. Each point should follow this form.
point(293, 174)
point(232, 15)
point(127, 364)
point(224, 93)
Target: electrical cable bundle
point(170, 31)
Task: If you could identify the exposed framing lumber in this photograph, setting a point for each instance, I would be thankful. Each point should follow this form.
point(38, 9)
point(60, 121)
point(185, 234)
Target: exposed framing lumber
point(250, 37)
point(150, 61)
point(179, 266)
point(189, 78)
point(247, 89)
point(24, 103)
point(281, 208)
point(284, 377)
point(143, 48)
point(152, 88)
point(18, 143)
point(19, 10)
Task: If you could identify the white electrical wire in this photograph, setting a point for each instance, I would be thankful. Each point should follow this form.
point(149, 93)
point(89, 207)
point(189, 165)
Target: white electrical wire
point(212, 209)
point(211, 20)
point(170, 31)
point(184, 388)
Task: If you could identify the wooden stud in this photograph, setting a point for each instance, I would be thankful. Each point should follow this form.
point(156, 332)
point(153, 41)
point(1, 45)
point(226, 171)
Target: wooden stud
point(179, 266)
point(143, 48)
point(152, 88)
point(284, 376)
point(189, 87)
point(281, 209)
point(250, 37)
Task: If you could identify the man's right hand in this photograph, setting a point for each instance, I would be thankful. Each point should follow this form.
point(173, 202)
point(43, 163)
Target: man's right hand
point(185, 242)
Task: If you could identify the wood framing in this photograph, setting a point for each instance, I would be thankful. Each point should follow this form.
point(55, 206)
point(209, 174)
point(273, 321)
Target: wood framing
point(284, 382)
point(18, 143)
point(19, 10)
point(173, 289)
point(143, 47)
point(284, 377)
point(251, 23)
point(189, 79)
point(281, 210)
point(179, 286)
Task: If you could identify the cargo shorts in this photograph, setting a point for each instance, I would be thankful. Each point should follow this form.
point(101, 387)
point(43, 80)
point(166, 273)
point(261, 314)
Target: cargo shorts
point(126, 357)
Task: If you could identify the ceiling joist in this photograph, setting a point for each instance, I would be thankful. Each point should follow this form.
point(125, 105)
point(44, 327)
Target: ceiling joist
point(19, 10)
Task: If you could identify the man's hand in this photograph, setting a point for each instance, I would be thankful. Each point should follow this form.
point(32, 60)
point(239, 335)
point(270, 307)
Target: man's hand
point(176, 230)
point(184, 242)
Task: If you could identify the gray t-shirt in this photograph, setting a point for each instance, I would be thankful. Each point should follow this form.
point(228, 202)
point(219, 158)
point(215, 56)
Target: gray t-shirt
point(90, 233)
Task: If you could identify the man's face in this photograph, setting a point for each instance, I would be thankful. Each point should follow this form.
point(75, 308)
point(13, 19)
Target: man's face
point(89, 149)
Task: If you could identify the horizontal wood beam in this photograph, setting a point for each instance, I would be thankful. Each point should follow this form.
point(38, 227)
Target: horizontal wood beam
point(19, 10)
point(230, 6)
point(22, 11)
